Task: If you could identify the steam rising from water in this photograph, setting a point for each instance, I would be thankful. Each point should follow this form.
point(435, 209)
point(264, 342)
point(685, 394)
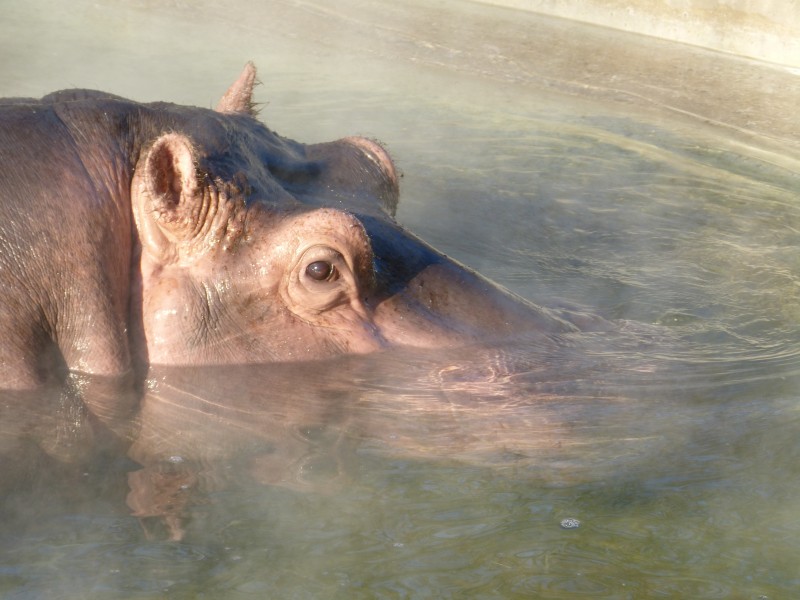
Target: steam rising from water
point(672, 439)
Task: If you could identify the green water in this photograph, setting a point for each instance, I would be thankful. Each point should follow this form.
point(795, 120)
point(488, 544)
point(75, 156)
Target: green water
point(673, 440)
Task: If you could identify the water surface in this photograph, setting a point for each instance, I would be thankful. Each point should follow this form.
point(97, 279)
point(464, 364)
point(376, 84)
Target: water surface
point(673, 439)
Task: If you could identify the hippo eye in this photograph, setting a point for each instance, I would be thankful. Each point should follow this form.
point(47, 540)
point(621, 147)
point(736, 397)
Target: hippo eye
point(321, 270)
point(320, 280)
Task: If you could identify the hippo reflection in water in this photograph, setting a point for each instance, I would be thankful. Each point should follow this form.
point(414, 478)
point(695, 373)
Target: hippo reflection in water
point(136, 235)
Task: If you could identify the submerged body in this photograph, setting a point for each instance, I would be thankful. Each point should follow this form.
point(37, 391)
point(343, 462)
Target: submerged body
point(139, 234)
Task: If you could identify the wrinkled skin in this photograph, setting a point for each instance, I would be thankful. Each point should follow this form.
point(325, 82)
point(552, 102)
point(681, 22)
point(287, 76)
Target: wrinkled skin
point(153, 234)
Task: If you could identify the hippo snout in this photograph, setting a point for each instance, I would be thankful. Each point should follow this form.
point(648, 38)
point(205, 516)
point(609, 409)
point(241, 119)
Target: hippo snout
point(446, 304)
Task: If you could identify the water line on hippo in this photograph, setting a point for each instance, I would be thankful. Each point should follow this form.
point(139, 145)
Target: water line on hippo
point(228, 219)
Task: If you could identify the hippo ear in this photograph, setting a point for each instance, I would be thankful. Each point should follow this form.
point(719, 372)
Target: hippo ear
point(168, 196)
point(239, 97)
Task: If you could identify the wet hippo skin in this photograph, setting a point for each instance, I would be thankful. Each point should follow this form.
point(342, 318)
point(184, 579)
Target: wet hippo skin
point(139, 234)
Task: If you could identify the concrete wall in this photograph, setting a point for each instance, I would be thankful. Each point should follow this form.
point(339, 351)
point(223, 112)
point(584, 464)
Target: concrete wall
point(767, 30)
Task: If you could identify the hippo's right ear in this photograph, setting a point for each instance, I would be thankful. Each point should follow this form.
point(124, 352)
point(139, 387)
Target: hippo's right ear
point(239, 97)
point(167, 200)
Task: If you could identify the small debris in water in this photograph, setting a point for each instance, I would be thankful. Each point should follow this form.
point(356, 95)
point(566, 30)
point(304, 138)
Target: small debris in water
point(570, 523)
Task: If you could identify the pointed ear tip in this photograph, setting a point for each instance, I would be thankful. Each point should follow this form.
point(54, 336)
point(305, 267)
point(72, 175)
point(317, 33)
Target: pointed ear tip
point(238, 98)
point(250, 72)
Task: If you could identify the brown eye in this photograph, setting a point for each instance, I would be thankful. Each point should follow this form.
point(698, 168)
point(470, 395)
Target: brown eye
point(320, 270)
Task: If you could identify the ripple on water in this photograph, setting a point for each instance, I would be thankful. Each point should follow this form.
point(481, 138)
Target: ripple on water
point(675, 445)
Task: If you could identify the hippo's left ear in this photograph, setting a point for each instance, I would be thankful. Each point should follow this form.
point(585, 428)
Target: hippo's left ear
point(167, 199)
point(239, 97)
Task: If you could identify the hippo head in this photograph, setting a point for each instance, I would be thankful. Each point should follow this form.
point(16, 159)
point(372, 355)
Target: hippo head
point(256, 248)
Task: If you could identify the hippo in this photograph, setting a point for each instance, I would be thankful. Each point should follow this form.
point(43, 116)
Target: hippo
point(139, 234)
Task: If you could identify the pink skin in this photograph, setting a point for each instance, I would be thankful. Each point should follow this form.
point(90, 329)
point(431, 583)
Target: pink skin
point(255, 301)
point(224, 281)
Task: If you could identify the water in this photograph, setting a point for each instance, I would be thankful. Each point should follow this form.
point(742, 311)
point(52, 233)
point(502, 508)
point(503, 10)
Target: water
point(673, 440)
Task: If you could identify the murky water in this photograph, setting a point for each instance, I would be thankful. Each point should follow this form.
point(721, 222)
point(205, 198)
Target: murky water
point(673, 441)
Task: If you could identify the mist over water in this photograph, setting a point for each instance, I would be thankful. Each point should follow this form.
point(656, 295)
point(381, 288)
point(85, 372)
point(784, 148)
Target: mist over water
point(672, 439)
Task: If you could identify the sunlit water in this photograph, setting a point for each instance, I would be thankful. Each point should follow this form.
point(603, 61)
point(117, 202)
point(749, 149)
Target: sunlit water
point(673, 440)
